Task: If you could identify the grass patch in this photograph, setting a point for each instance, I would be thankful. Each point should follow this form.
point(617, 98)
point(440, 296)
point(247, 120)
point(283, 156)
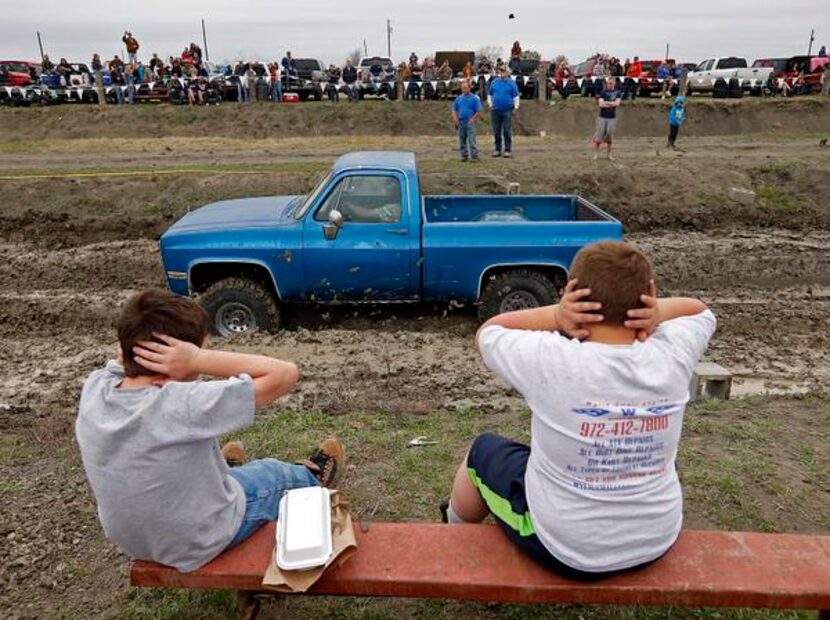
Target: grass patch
point(774, 199)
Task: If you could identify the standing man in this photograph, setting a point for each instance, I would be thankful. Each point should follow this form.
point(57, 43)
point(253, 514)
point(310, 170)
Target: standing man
point(503, 98)
point(289, 69)
point(131, 43)
point(98, 72)
point(465, 112)
point(608, 100)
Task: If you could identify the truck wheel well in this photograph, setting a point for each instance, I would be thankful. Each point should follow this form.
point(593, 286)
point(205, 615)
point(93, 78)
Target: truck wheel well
point(556, 274)
point(205, 274)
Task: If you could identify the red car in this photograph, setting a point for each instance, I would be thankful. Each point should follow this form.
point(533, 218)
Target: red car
point(17, 73)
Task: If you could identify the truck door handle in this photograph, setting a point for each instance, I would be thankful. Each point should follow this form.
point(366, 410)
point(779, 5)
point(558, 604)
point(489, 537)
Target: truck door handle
point(396, 231)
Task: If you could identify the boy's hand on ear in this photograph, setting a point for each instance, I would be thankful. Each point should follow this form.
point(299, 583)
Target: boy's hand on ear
point(572, 314)
point(646, 319)
point(176, 359)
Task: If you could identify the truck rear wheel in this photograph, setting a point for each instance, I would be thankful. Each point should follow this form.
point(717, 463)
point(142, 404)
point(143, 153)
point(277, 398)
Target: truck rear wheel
point(238, 305)
point(516, 290)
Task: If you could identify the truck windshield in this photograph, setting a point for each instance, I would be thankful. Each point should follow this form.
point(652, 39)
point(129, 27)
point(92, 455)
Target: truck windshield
point(312, 196)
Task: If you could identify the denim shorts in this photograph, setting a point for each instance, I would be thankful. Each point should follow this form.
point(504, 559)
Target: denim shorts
point(264, 482)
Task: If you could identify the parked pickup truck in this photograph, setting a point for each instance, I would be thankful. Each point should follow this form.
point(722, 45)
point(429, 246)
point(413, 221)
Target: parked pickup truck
point(366, 234)
point(703, 78)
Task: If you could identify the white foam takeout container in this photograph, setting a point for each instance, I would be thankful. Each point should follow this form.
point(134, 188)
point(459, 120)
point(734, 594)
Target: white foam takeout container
point(304, 529)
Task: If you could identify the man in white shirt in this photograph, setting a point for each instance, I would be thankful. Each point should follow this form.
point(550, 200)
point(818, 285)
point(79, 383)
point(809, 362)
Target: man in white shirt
point(606, 375)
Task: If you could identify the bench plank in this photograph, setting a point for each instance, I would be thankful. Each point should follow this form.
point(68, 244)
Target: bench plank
point(477, 562)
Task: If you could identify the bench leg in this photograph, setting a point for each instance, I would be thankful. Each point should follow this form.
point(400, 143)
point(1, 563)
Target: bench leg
point(247, 604)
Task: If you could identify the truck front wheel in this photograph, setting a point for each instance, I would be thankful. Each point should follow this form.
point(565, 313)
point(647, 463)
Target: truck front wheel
point(515, 290)
point(238, 305)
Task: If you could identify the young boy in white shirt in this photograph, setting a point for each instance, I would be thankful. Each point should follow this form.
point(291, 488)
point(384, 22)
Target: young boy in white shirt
point(606, 375)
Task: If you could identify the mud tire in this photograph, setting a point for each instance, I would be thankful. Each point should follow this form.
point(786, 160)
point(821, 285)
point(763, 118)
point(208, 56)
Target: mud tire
point(238, 305)
point(515, 290)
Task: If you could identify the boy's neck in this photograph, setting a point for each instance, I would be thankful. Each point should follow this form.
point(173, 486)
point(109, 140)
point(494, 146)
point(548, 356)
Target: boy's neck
point(611, 334)
point(143, 381)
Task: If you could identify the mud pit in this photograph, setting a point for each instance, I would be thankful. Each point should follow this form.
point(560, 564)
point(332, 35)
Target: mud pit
point(72, 251)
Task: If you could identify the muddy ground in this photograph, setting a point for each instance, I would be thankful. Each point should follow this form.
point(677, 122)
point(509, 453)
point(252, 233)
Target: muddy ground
point(73, 247)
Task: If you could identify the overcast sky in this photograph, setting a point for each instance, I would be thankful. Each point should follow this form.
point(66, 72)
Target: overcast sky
point(330, 29)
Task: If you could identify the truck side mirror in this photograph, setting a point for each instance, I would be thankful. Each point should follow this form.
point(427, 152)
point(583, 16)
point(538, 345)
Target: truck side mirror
point(331, 229)
point(336, 218)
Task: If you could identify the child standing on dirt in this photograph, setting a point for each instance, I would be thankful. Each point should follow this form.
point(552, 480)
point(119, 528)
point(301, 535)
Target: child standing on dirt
point(465, 112)
point(147, 427)
point(677, 116)
point(606, 375)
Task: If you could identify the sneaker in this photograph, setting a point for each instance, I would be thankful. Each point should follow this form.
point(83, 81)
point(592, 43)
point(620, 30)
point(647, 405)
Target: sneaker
point(464, 158)
point(496, 153)
point(474, 159)
point(507, 154)
point(234, 453)
point(443, 508)
point(326, 461)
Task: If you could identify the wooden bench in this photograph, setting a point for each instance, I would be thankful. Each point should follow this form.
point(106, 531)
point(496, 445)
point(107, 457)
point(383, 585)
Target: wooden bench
point(476, 562)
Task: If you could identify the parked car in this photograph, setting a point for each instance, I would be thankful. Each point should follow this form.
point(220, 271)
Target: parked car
point(17, 73)
point(811, 67)
point(383, 85)
point(703, 78)
point(526, 72)
point(366, 234)
point(583, 81)
point(778, 65)
point(310, 73)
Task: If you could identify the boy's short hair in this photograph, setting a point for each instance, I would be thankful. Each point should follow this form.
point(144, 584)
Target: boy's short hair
point(159, 311)
point(617, 274)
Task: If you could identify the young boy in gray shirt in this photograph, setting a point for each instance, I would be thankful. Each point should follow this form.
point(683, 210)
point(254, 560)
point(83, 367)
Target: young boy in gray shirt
point(148, 426)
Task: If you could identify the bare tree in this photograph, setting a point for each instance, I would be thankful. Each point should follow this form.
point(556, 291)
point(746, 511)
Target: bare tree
point(531, 54)
point(354, 56)
point(560, 59)
point(490, 52)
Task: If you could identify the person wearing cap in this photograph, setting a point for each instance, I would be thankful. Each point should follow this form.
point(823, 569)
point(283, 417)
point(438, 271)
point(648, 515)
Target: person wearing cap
point(503, 98)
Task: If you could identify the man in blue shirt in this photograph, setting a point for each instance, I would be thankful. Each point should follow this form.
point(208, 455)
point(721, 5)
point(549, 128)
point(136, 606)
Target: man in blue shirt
point(608, 100)
point(503, 98)
point(465, 112)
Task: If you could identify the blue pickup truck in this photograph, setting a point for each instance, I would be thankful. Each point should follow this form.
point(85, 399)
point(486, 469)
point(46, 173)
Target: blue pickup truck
point(365, 233)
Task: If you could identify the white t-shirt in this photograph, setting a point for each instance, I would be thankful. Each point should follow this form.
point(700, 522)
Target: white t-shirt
point(601, 484)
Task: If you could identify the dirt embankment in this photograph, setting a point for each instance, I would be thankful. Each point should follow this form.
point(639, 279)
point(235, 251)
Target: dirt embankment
point(575, 117)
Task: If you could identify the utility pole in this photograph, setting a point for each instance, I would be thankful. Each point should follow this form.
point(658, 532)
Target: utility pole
point(668, 47)
point(40, 45)
point(365, 48)
point(204, 40)
point(389, 37)
point(812, 38)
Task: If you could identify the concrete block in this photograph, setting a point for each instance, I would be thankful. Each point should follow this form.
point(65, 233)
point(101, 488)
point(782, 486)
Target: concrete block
point(710, 381)
point(742, 196)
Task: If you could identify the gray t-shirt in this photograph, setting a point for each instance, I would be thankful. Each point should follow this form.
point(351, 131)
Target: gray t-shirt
point(154, 463)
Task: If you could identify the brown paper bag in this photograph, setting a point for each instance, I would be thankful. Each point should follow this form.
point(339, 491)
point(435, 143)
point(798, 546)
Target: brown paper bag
point(344, 545)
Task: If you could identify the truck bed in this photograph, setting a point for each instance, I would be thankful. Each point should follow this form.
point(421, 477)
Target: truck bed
point(517, 208)
point(463, 237)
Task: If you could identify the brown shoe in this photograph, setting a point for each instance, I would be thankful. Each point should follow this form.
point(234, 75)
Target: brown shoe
point(234, 453)
point(326, 462)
